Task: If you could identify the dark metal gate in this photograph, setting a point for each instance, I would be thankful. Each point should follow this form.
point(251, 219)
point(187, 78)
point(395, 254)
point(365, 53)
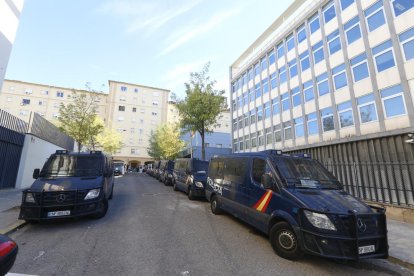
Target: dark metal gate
point(12, 132)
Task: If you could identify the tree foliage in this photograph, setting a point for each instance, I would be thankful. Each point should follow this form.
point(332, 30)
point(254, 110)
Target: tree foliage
point(109, 140)
point(202, 105)
point(77, 119)
point(165, 142)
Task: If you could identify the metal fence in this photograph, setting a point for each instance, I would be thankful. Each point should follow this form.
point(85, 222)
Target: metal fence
point(385, 182)
point(47, 131)
point(11, 122)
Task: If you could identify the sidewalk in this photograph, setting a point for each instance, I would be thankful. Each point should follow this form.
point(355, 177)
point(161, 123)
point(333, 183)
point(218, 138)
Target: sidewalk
point(400, 234)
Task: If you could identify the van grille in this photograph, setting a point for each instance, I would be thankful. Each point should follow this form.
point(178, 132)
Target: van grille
point(59, 198)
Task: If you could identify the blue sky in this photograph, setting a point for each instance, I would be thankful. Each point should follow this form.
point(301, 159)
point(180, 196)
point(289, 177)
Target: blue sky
point(154, 43)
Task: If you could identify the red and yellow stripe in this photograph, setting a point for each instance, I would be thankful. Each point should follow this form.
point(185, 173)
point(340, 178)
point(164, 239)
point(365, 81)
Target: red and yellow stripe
point(263, 202)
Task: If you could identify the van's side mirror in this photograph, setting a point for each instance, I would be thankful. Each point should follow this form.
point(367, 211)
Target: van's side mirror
point(36, 173)
point(267, 181)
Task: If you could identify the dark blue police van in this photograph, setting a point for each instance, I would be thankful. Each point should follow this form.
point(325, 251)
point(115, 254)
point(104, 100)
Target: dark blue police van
point(70, 185)
point(190, 176)
point(298, 203)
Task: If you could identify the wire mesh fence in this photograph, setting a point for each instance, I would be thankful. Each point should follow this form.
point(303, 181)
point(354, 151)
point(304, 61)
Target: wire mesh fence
point(385, 182)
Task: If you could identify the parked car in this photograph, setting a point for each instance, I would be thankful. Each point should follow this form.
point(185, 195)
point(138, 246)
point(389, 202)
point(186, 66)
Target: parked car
point(190, 176)
point(119, 168)
point(70, 185)
point(298, 203)
point(166, 172)
point(8, 253)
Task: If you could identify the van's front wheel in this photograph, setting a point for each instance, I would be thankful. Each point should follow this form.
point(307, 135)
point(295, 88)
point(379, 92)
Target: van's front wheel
point(284, 241)
point(104, 209)
point(215, 207)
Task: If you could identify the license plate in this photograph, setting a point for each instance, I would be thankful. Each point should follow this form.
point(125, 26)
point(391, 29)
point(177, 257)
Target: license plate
point(366, 249)
point(58, 213)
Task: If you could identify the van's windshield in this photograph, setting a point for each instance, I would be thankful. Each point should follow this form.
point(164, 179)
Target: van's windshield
point(305, 173)
point(200, 166)
point(72, 165)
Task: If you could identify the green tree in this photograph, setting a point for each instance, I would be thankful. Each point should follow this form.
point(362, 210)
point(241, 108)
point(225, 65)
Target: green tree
point(109, 140)
point(202, 105)
point(165, 142)
point(95, 129)
point(77, 117)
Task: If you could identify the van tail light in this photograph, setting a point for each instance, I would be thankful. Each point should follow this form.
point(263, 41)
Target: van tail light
point(7, 247)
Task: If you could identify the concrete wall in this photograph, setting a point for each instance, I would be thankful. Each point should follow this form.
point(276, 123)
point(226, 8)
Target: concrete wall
point(34, 154)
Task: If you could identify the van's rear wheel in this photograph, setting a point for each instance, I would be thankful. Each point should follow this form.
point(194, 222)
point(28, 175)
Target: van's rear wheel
point(215, 207)
point(190, 194)
point(284, 241)
point(175, 186)
point(104, 208)
point(112, 192)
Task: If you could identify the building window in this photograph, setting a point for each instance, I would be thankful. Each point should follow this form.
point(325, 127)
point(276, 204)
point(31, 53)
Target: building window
point(123, 88)
point(122, 99)
point(258, 91)
point(245, 78)
point(329, 12)
point(28, 91)
point(245, 98)
point(346, 3)
point(141, 131)
point(290, 42)
point(285, 101)
point(240, 102)
point(282, 74)
point(366, 108)
point(133, 151)
point(280, 51)
point(267, 110)
point(304, 61)
point(352, 30)
point(135, 90)
point(401, 6)
point(241, 146)
point(44, 92)
point(219, 145)
point(293, 68)
point(9, 99)
point(317, 51)
point(296, 96)
point(334, 42)
point(299, 129)
point(134, 109)
point(312, 123)
point(132, 130)
point(314, 24)
point(308, 91)
point(246, 142)
point(268, 135)
point(234, 104)
point(251, 95)
point(273, 81)
point(277, 134)
point(375, 16)
point(327, 119)
point(121, 118)
point(155, 103)
point(346, 118)
point(257, 69)
point(339, 76)
point(301, 33)
point(251, 74)
point(275, 106)
point(265, 85)
point(272, 58)
point(253, 140)
point(407, 43)
point(25, 102)
point(259, 113)
point(287, 130)
point(393, 101)
point(264, 63)
point(383, 56)
point(41, 102)
point(233, 87)
point(246, 119)
point(260, 137)
point(56, 105)
point(240, 119)
point(121, 108)
point(23, 112)
point(252, 116)
point(59, 94)
point(322, 83)
point(359, 67)
point(154, 113)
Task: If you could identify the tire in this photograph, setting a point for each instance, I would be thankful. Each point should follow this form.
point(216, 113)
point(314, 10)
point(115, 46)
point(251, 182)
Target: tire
point(215, 207)
point(103, 211)
point(175, 186)
point(112, 193)
point(284, 241)
point(190, 194)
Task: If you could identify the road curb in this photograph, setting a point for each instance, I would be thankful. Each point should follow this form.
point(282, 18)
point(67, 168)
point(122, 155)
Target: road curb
point(12, 227)
point(401, 262)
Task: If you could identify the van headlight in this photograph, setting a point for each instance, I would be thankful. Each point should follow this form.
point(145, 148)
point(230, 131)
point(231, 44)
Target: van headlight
point(29, 198)
point(92, 194)
point(320, 220)
point(199, 184)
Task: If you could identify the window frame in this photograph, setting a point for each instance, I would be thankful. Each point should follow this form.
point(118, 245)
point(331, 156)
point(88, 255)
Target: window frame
point(318, 82)
point(299, 123)
point(365, 60)
point(342, 70)
point(307, 88)
point(374, 56)
point(351, 27)
point(407, 40)
point(311, 20)
point(341, 110)
point(366, 104)
point(395, 95)
point(331, 38)
point(393, 10)
point(331, 114)
point(316, 48)
point(325, 9)
point(372, 13)
point(313, 118)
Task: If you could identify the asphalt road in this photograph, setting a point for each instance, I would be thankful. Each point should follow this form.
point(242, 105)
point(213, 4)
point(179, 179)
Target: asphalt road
point(152, 230)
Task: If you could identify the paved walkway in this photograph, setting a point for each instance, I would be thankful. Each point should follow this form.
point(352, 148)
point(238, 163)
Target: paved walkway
point(400, 234)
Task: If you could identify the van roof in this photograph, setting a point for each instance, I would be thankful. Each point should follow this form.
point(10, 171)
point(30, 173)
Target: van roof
point(265, 153)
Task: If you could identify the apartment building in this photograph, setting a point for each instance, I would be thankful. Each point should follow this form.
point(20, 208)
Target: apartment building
point(326, 72)
point(9, 21)
point(131, 109)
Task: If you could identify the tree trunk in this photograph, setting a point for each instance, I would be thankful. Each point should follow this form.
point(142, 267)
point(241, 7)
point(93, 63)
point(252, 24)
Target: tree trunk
point(203, 149)
point(79, 146)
